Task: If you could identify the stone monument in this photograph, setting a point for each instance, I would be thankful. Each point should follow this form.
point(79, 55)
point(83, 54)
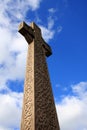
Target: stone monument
point(38, 112)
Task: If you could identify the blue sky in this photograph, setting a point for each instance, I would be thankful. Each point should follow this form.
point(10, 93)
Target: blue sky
point(64, 28)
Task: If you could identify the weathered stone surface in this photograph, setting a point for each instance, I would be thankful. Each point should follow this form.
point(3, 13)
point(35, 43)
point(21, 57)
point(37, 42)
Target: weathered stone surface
point(38, 111)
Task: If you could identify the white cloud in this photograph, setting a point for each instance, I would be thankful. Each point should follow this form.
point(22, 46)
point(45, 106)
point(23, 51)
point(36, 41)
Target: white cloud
point(52, 10)
point(72, 111)
point(18, 8)
point(10, 110)
point(34, 4)
point(12, 12)
point(13, 47)
point(13, 51)
point(47, 34)
point(80, 89)
point(4, 43)
point(59, 29)
point(50, 23)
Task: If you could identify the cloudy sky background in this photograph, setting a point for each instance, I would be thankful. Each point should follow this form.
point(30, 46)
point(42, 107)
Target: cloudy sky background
point(64, 27)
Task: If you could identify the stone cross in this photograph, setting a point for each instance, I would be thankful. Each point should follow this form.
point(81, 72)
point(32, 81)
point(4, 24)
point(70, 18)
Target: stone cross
point(38, 112)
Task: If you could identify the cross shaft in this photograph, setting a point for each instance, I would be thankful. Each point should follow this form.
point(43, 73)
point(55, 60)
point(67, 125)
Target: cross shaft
point(38, 112)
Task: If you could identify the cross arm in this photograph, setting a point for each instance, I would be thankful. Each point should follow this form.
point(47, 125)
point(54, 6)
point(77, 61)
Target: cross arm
point(30, 33)
point(26, 31)
point(47, 48)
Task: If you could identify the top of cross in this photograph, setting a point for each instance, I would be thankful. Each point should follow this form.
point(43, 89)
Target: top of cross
point(29, 32)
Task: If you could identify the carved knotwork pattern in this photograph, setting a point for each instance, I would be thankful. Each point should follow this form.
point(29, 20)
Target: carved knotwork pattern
point(28, 102)
point(45, 112)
